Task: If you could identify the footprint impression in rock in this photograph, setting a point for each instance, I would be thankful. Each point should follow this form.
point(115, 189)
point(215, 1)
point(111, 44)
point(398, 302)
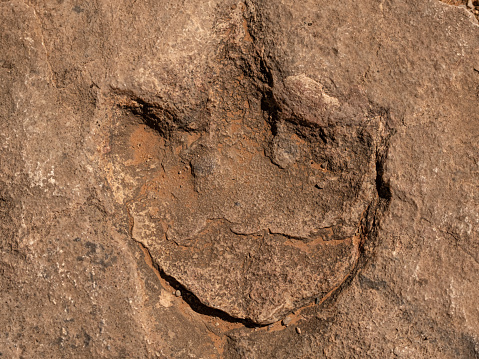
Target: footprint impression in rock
point(254, 204)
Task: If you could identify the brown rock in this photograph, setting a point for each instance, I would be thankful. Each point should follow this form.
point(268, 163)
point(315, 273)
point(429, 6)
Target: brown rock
point(258, 157)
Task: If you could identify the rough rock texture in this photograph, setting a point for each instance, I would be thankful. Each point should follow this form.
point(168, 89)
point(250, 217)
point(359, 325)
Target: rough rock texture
point(253, 179)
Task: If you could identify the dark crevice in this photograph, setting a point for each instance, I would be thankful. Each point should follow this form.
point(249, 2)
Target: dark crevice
point(369, 239)
point(382, 187)
point(159, 118)
point(266, 72)
point(271, 108)
point(193, 301)
point(369, 226)
point(144, 111)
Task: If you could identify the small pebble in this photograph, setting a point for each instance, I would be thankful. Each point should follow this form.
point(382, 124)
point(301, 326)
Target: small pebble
point(298, 330)
point(286, 321)
point(316, 301)
point(178, 293)
point(270, 326)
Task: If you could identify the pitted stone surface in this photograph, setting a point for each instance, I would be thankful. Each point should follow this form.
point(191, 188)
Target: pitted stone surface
point(265, 154)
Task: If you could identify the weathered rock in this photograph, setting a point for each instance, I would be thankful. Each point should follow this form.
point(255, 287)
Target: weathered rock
point(239, 195)
point(260, 159)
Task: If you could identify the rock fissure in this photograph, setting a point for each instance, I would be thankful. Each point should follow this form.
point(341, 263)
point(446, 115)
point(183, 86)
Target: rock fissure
point(192, 300)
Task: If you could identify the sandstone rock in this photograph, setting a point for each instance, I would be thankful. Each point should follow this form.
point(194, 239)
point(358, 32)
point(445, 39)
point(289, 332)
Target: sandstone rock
point(315, 161)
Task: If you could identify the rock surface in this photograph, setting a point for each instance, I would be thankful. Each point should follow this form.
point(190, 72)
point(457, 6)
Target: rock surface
point(182, 179)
